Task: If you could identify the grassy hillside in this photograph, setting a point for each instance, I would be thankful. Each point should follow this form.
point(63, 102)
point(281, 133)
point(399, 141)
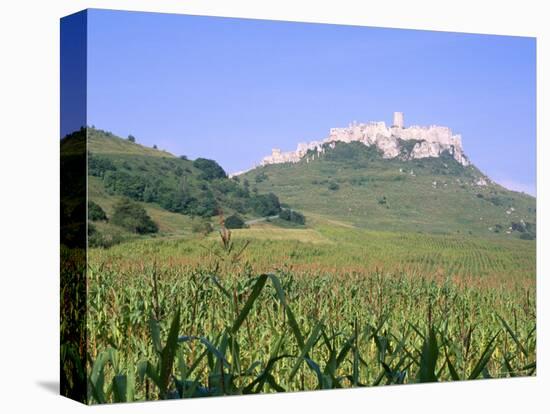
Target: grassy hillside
point(175, 192)
point(104, 142)
point(352, 183)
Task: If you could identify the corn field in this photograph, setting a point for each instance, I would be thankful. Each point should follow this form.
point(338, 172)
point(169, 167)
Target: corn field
point(159, 329)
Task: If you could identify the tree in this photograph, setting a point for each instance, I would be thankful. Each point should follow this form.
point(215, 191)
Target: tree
point(266, 204)
point(155, 146)
point(234, 222)
point(210, 169)
point(133, 217)
point(95, 212)
point(131, 138)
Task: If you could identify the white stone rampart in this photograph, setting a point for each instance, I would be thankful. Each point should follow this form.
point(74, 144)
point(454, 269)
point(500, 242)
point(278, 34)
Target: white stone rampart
point(432, 140)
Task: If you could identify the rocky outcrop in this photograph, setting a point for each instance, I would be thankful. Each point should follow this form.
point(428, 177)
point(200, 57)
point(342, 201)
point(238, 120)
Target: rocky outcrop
point(394, 141)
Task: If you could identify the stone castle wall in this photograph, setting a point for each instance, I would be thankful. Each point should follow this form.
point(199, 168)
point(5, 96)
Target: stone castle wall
point(433, 141)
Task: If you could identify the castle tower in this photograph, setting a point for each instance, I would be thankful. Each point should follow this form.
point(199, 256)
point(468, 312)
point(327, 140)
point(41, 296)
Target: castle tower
point(398, 120)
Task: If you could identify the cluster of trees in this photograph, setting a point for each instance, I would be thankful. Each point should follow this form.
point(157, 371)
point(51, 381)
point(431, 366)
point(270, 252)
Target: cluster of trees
point(98, 166)
point(265, 204)
point(210, 169)
point(197, 188)
point(528, 230)
point(127, 214)
point(202, 203)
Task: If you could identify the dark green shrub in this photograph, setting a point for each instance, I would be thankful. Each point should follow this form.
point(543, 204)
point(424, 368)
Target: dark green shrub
point(234, 222)
point(133, 217)
point(95, 212)
point(292, 216)
point(333, 186)
point(266, 204)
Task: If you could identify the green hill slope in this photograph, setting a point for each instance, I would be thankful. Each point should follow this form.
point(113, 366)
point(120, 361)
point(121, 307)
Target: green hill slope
point(104, 142)
point(176, 192)
point(353, 183)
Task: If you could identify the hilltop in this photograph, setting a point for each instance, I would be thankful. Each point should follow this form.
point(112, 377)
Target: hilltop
point(358, 184)
point(105, 142)
point(395, 141)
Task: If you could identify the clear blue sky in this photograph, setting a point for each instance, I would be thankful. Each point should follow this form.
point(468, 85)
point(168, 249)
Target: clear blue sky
point(231, 89)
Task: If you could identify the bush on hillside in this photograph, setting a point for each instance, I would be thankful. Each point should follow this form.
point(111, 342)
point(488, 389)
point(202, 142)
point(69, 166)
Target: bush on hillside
point(95, 212)
point(292, 216)
point(202, 226)
point(333, 186)
point(234, 222)
point(133, 217)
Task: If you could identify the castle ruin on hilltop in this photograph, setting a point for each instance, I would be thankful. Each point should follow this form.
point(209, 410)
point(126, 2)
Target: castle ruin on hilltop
point(430, 141)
